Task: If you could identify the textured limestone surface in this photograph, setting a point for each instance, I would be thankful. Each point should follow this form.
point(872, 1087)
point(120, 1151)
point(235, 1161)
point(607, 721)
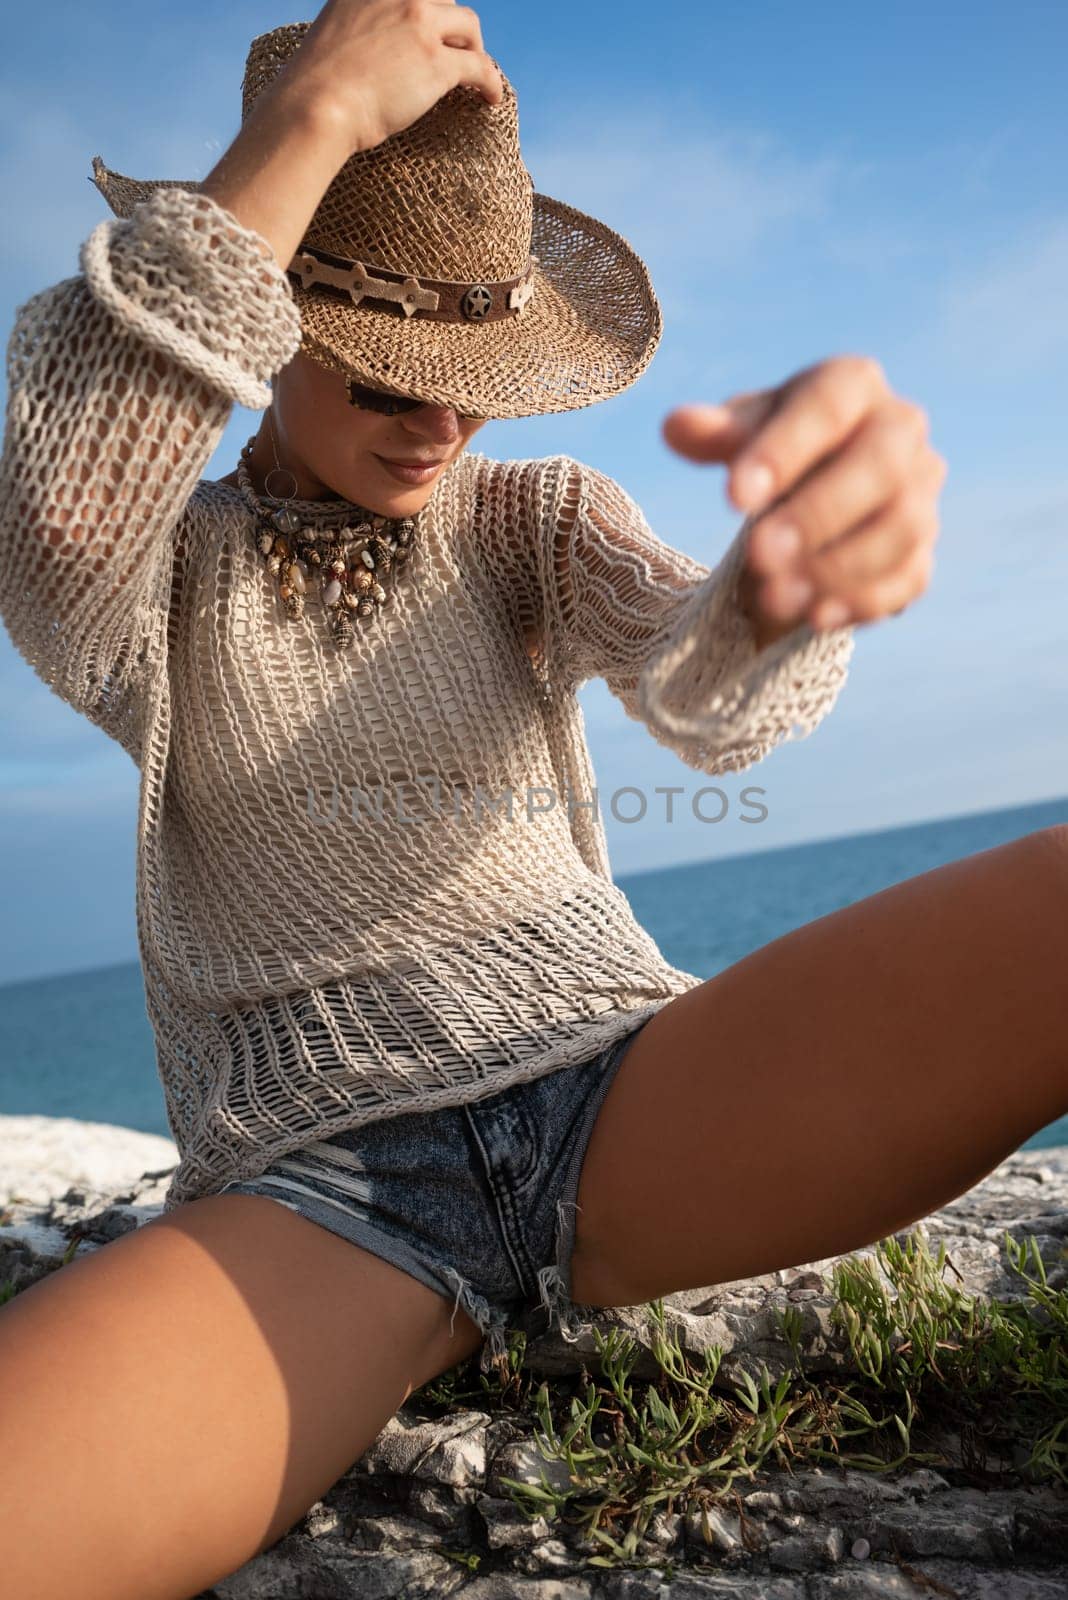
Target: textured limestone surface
point(424, 1513)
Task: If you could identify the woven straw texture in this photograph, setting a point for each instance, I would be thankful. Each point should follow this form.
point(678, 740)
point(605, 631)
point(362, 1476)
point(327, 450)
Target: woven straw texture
point(450, 198)
point(313, 959)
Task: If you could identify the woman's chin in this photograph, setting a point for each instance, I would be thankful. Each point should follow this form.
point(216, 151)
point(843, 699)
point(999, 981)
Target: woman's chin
point(393, 506)
point(379, 493)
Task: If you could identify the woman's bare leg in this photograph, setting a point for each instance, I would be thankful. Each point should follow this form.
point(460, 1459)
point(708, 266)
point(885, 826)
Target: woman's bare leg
point(173, 1403)
point(836, 1085)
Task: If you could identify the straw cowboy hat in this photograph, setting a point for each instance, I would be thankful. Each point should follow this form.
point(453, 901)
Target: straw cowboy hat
point(431, 268)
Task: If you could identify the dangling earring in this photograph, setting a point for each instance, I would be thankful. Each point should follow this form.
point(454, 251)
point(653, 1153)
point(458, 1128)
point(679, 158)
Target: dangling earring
point(284, 519)
point(348, 563)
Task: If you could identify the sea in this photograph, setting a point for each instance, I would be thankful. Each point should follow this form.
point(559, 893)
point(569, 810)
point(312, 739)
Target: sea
point(80, 1044)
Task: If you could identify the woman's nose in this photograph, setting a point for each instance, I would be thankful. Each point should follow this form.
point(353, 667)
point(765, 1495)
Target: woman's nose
point(435, 422)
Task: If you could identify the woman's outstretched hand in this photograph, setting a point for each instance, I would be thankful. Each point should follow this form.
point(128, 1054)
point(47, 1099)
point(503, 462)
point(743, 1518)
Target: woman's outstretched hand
point(848, 467)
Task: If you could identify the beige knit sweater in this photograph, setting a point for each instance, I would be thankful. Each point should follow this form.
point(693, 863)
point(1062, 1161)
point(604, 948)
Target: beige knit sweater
point(338, 919)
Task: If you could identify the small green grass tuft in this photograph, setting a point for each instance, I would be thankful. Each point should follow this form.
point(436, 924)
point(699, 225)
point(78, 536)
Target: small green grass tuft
point(927, 1357)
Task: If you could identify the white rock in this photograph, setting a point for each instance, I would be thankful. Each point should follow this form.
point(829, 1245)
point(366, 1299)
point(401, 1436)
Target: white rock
point(42, 1157)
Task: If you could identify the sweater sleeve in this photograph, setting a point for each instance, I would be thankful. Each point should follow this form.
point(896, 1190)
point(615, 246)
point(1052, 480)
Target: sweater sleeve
point(120, 383)
point(669, 635)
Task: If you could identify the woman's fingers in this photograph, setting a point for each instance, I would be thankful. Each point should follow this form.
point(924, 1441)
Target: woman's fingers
point(815, 412)
point(842, 527)
point(880, 460)
point(873, 570)
point(705, 433)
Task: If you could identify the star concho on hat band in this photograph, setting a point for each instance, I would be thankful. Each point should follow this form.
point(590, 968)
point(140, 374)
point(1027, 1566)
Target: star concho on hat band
point(404, 275)
point(440, 299)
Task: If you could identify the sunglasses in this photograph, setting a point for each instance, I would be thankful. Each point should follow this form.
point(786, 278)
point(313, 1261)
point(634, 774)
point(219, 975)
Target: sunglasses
point(387, 405)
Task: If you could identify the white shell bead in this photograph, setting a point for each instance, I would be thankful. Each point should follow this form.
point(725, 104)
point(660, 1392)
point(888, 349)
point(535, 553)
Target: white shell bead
point(332, 593)
point(367, 558)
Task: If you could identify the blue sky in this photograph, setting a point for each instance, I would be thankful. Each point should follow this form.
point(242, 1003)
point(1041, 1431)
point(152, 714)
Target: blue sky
point(802, 181)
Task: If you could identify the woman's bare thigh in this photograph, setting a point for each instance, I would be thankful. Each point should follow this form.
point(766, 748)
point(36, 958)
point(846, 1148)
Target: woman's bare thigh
point(836, 1085)
point(173, 1403)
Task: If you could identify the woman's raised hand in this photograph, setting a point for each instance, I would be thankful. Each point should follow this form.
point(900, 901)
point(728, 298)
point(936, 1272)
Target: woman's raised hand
point(842, 484)
point(371, 68)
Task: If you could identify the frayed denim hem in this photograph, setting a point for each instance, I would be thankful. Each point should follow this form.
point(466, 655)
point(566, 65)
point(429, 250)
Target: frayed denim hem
point(494, 1321)
point(564, 1316)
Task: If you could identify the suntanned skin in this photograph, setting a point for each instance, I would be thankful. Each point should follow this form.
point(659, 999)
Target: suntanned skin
point(836, 1085)
point(171, 1404)
point(221, 1367)
point(332, 447)
point(218, 1369)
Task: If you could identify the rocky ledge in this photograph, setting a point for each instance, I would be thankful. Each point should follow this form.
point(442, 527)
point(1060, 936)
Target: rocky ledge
point(427, 1511)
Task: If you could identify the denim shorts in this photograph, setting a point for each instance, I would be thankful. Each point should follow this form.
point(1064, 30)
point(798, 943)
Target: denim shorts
point(477, 1201)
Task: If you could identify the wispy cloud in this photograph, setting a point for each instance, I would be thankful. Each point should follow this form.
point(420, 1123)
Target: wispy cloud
point(778, 223)
point(690, 190)
point(1009, 318)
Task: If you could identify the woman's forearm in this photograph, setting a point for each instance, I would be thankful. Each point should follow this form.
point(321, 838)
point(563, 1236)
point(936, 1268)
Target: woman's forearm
point(278, 168)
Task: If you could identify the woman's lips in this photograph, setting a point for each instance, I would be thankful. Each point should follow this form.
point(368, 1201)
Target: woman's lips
point(409, 474)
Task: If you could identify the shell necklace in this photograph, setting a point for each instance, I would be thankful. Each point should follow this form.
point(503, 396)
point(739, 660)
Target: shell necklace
point(352, 565)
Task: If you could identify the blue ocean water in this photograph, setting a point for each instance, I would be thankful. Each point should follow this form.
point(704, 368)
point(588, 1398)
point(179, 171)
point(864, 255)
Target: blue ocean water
point(81, 1046)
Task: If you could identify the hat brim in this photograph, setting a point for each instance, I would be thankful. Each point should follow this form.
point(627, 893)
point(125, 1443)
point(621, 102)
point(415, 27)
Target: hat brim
point(588, 332)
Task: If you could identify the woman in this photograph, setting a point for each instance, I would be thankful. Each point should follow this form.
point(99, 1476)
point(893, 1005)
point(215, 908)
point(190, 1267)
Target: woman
point(424, 1070)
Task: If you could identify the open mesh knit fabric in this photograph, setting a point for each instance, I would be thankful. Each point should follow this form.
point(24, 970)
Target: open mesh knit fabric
point(338, 918)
